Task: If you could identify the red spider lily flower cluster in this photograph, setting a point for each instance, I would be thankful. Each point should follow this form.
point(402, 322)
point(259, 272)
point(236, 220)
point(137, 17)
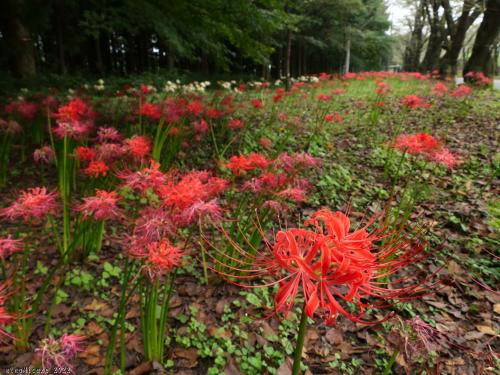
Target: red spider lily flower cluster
point(324, 97)
point(32, 205)
point(23, 108)
point(139, 146)
point(58, 354)
point(334, 117)
point(461, 91)
point(241, 164)
point(102, 206)
point(414, 101)
point(44, 155)
point(9, 246)
point(478, 78)
point(439, 89)
point(382, 88)
point(331, 265)
point(96, 168)
point(257, 103)
point(151, 111)
point(161, 258)
point(426, 145)
point(74, 120)
point(108, 134)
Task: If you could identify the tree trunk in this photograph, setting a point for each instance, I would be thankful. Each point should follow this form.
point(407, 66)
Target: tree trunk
point(288, 58)
point(436, 38)
point(347, 54)
point(484, 45)
point(414, 48)
point(458, 31)
point(20, 42)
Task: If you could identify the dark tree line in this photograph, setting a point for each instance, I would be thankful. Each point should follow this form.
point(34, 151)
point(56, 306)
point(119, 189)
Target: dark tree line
point(447, 30)
point(264, 37)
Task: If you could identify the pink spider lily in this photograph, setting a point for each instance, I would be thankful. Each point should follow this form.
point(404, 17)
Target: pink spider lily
point(9, 246)
point(32, 205)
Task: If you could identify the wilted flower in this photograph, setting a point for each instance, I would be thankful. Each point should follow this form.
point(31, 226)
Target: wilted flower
point(9, 246)
point(108, 134)
point(59, 353)
point(44, 154)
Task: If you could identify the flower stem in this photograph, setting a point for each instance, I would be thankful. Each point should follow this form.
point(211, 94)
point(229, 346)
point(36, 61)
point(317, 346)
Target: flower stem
point(300, 343)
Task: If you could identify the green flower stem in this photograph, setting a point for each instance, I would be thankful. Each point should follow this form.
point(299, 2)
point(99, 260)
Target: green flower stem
point(297, 356)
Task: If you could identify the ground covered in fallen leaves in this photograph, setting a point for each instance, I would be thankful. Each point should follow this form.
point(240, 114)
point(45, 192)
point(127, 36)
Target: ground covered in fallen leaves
point(215, 328)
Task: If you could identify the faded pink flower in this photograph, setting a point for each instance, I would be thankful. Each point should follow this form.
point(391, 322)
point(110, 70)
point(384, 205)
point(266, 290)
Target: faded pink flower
point(32, 204)
point(59, 353)
point(9, 246)
point(44, 154)
point(108, 134)
point(102, 206)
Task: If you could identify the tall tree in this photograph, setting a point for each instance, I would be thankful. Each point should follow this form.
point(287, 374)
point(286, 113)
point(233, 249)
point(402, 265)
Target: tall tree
point(457, 31)
point(411, 59)
point(486, 40)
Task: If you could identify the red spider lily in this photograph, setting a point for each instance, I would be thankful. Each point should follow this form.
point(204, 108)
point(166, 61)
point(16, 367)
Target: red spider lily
point(426, 145)
point(151, 111)
point(380, 104)
point(75, 130)
point(161, 257)
point(296, 162)
point(241, 164)
point(96, 168)
point(414, 101)
point(324, 97)
point(75, 111)
point(32, 204)
point(201, 210)
point(417, 143)
point(330, 265)
point(108, 134)
point(382, 88)
point(147, 178)
point(293, 194)
point(192, 188)
point(8, 246)
point(235, 124)
point(444, 156)
point(139, 146)
point(257, 103)
point(25, 109)
point(85, 153)
point(334, 117)
point(152, 225)
point(194, 107)
point(57, 354)
point(110, 152)
point(266, 183)
point(439, 89)
point(461, 91)
point(339, 91)
point(200, 126)
point(479, 78)
point(102, 206)
point(44, 154)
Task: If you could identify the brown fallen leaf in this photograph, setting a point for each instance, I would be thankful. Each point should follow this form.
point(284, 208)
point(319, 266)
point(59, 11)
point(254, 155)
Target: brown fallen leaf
point(101, 307)
point(487, 330)
point(496, 308)
point(91, 355)
point(188, 356)
point(334, 336)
